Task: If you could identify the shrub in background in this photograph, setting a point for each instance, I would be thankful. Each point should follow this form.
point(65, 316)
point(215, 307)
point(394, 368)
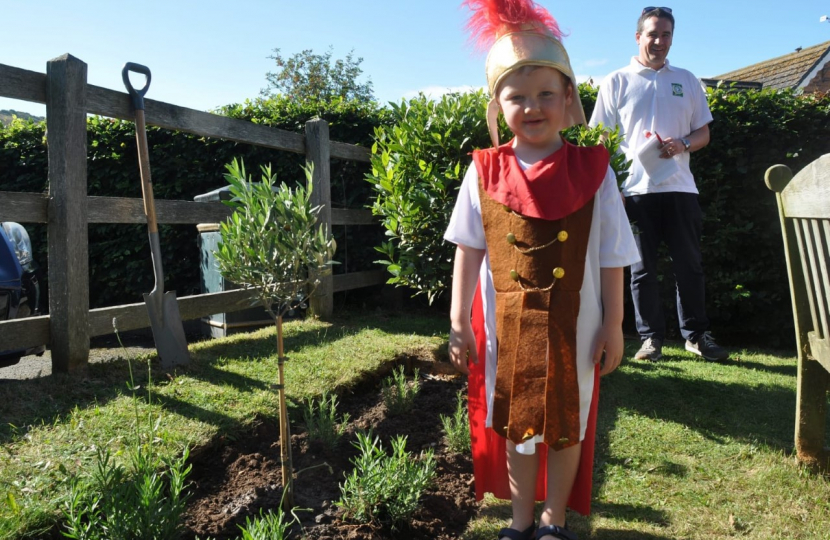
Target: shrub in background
point(349, 121)
point(748, 298)
point(426, 147)
point(417, 167)
point(418, 164)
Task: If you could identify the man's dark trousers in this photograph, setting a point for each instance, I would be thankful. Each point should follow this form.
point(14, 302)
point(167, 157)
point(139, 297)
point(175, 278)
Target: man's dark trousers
point(676, 219)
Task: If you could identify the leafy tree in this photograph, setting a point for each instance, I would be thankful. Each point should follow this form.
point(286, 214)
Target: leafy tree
point(274, 246)
point(306, 76)
point(6, 116)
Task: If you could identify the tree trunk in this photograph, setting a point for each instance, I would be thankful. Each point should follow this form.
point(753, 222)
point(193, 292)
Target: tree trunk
point(285, 429)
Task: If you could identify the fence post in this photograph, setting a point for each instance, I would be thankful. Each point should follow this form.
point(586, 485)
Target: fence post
point(67, 214)
point(317, 152)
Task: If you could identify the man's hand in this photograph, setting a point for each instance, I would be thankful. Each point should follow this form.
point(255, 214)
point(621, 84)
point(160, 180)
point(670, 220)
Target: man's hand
point(671, 147)
point(462, 347)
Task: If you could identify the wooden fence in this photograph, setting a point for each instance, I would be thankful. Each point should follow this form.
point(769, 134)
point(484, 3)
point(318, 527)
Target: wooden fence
point(67, 209)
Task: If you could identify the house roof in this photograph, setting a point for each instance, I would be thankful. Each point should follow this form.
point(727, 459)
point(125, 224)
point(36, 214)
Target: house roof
point(794, 70)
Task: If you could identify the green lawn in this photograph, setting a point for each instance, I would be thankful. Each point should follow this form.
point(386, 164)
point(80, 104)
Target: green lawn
point(687, 448)
point(52, 426)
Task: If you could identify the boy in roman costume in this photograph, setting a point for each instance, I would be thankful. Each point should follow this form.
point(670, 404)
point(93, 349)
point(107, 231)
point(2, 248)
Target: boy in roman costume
point(537, 300)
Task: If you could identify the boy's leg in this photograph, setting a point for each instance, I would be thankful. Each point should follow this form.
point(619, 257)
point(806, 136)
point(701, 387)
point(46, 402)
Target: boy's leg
point(562, 467)
point(522, 470)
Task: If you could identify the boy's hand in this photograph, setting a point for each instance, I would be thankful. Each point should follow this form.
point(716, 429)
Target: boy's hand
point(462, 347)
point(610, 341)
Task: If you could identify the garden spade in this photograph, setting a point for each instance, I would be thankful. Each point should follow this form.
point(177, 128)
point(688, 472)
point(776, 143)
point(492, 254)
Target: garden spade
point(161, 306)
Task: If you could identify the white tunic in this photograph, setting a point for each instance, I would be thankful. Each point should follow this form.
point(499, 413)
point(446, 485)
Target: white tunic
point(610, 245)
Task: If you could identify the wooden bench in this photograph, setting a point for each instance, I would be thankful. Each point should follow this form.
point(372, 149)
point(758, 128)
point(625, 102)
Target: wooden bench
point(804, 209)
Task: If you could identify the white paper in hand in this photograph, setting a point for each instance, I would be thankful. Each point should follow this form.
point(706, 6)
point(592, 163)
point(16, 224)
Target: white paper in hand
point(658, 169)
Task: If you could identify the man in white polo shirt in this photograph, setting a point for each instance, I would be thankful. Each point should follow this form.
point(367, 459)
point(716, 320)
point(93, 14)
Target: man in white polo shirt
point(663, 115)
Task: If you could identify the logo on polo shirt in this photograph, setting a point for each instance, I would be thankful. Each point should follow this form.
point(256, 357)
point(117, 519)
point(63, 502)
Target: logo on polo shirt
point(677, 89)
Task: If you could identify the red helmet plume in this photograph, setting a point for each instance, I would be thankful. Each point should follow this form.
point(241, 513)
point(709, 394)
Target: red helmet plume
point(493, 18)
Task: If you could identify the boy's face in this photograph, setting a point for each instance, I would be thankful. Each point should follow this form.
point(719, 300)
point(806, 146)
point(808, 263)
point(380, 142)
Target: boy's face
point(534, 103)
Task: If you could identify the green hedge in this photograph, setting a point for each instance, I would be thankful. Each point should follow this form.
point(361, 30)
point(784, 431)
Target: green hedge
point(747, 285)
point(183, 166)
point(419, 161)
point(417, 167)
point(747, 295)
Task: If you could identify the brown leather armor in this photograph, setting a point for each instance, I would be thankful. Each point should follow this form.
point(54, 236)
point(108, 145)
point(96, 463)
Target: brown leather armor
point(537, 388)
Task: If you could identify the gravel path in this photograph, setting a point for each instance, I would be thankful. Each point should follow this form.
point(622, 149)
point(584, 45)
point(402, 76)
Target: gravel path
point(102, 349)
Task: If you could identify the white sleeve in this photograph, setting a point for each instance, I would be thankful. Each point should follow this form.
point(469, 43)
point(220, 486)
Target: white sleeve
point(617, 247)
point(605, 110)
point(466, 227)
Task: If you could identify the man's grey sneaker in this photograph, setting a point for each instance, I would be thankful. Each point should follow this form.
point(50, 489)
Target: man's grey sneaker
point(706, 347)
point(652, 349)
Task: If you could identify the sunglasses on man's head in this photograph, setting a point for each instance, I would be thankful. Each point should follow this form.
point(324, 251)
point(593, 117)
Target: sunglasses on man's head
point(652, 8)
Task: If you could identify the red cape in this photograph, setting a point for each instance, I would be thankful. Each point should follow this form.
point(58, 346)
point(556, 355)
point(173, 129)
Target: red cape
point(490, 450)
point(550, 189)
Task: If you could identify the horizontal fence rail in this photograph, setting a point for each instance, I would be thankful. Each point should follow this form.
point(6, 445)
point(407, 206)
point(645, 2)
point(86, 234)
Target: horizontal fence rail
point(67, 210)
point(27, 85)
point(19, 333)
point(33, 208)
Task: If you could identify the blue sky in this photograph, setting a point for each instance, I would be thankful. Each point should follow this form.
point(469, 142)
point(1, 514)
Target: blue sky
point(210, 53)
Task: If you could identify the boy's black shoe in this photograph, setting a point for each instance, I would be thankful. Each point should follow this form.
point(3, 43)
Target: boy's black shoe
point(706, 347)
point(513, 534)
point(557, 532)
point(652, 349)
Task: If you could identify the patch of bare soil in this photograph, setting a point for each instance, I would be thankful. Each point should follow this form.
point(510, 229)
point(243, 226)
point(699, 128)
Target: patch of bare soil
point(240, 477)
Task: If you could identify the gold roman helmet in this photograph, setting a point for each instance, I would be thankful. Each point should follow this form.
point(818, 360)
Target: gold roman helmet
point(528, 48)
point(522, 33)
